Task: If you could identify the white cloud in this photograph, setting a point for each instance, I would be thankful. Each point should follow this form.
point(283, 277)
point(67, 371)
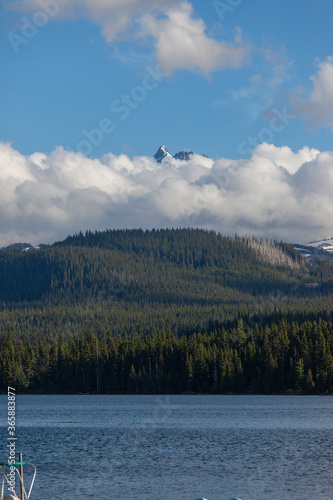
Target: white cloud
point(317, 105)
point(180, 39)
point(285, 157)
point(181, 43)
point(274, 193)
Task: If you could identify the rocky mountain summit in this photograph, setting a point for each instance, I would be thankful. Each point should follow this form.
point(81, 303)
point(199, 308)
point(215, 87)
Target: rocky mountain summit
point(163, 153)
point(183, 155)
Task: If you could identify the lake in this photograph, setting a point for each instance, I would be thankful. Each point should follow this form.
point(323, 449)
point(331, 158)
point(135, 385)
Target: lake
point(176, 447)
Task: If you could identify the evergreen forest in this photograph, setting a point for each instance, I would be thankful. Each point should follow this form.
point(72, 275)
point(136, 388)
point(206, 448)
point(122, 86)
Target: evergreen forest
point(165, 311)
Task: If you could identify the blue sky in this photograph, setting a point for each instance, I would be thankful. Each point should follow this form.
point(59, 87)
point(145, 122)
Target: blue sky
point(66, 77)
point(91, 88)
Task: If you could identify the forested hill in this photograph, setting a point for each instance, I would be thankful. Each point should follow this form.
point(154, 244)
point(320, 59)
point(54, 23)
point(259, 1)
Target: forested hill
point(121, 300)
point(218, 277)
point(181, 266)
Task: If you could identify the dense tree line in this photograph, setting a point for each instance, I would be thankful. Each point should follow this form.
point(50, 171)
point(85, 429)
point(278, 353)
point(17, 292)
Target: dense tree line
point(281, 358)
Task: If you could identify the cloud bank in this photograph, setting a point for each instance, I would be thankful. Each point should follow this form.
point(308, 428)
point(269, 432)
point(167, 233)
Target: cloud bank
point(179, 38)
point(275, 193)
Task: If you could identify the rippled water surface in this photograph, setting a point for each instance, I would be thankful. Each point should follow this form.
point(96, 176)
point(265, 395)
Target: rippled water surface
point(176, 447)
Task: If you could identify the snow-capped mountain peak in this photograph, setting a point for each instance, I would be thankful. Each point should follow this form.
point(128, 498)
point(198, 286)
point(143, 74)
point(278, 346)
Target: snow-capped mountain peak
point(182, 155)
point(162, 153)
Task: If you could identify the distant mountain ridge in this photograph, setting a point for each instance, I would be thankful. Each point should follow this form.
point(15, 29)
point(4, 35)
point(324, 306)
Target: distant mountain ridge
point(326, 244)
point(322, 248)
point(23, 247)
point(163, 153)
